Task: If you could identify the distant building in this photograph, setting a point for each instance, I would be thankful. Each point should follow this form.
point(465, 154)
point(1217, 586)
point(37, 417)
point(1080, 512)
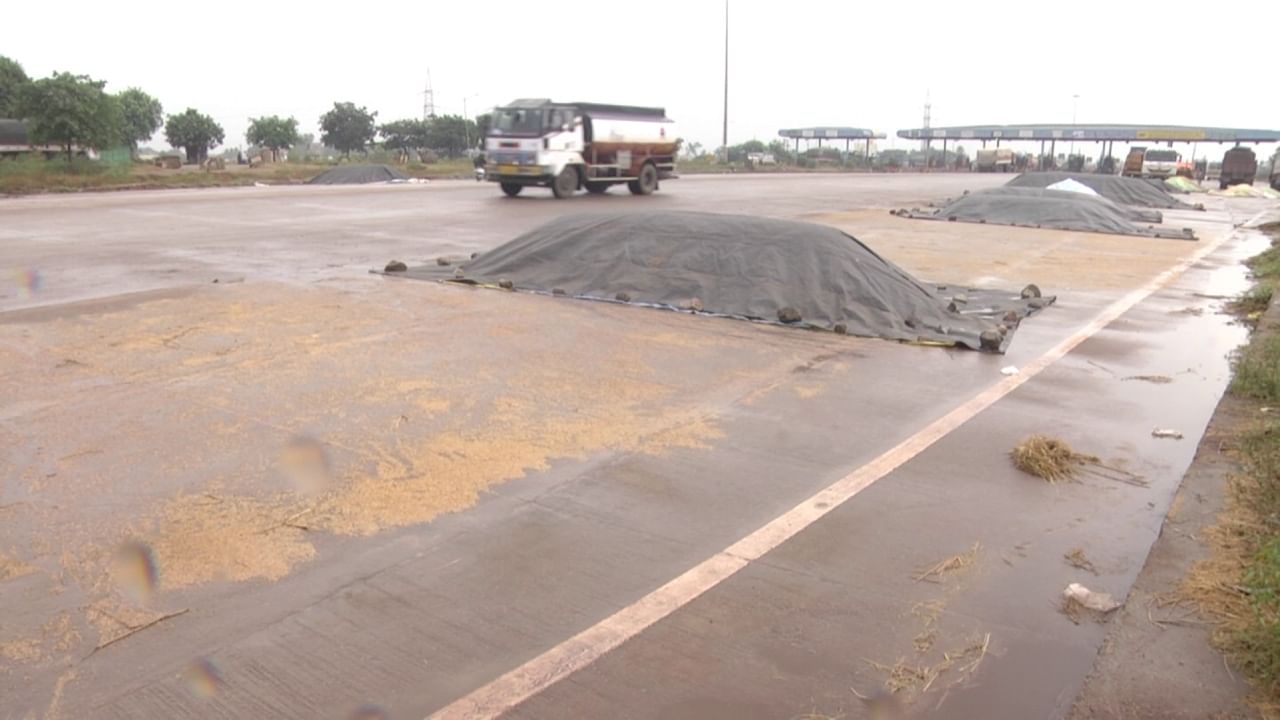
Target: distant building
point(15, 143)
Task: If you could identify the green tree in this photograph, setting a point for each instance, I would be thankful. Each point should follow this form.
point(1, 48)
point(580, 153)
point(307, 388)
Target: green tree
point(738, 153)
point(301, 150)
point(197, 134)
point(449, 134)
point(483, 122)
point(141, 115)
point(346, 128)
point(12, 79)
point(404, 136)
point(782, 151)
point(69, 111)
point(273, 133)
point(692, 148)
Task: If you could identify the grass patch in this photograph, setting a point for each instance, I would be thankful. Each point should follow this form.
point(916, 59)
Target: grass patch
point(1265, 268)
point(1266, 265)
point(1253, 302)
point(1239, 584)
point(37, 175)
point(1257, 369)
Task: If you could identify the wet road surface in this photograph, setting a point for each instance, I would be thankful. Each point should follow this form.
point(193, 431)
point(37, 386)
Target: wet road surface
point(413, 617)
point(101, 244)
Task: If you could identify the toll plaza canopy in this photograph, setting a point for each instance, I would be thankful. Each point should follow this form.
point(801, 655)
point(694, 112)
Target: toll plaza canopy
point(1094, 133)
point(832, 133)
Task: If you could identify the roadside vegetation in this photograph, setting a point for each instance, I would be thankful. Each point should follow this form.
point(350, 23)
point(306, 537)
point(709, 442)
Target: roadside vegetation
point(79, 136)
point(1239, 585)
point(37, 175)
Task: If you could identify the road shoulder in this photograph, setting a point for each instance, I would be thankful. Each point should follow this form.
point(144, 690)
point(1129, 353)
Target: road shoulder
point(1157, 660)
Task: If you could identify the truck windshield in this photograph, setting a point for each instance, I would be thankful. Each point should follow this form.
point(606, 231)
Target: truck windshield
point(1162, 156)
point(517, 121)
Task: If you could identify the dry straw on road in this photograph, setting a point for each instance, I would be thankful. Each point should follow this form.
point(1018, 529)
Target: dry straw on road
point(1054, 460)
point(949, 565)
point(1049, 458)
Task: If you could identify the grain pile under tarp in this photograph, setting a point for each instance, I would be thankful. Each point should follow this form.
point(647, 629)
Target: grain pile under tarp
point(358, 175)
point(1123, 190)
point(1044, 208)
point(1180, 184)
point(744, 267)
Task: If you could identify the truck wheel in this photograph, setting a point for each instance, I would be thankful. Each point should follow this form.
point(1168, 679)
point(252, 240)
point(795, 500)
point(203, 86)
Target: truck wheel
point(1223, 185)
point(647, 183)
point(597, 188)
point(566, 183)
point(512, 189)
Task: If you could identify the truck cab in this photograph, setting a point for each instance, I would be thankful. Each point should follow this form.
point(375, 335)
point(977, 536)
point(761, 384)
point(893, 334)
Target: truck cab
point(1133, 162)
point(569, 146)
point(1239, 167)
point(1160, 163)
point(994, 160)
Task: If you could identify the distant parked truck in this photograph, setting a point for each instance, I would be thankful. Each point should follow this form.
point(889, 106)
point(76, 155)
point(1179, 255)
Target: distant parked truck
point(568, 146)
point(1239, 167)
point(996, 160)
point(1133, 162)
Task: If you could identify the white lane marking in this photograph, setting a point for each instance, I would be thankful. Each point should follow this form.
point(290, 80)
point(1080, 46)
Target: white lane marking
point(579, 651)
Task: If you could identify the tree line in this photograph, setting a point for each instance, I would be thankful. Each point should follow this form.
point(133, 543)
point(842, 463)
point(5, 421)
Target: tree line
point(75, 112)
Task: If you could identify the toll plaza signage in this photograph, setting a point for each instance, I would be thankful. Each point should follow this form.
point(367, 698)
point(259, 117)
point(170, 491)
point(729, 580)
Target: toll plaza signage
point(1170, 134)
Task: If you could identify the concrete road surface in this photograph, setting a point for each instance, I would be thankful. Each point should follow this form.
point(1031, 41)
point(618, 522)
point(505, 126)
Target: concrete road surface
point(305, 491)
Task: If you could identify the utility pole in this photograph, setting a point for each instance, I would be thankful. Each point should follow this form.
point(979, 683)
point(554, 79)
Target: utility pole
point(428, 100)
point(724, 134)
point(1075, 102)
point(466, 123)
point(925, 144)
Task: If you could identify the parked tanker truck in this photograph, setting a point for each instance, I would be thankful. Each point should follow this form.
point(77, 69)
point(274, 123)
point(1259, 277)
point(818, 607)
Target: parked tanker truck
point(576, 145)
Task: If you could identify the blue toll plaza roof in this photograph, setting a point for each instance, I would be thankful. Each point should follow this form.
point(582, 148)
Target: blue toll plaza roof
point(1094, 133)
point(832, 133)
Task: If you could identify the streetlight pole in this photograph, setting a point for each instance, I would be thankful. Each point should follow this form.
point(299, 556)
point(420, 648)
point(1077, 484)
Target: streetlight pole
point(466, 127)
point(724, 133)
point(1075, 102)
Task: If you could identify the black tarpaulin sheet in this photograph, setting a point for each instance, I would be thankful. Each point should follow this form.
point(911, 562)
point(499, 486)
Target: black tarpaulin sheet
point(1058, 209)
point(1123, 190)
point(742, 267)
point(357, 175)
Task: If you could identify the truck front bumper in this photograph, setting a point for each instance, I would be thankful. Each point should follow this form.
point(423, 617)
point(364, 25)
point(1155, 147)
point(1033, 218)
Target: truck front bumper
point(519, 174)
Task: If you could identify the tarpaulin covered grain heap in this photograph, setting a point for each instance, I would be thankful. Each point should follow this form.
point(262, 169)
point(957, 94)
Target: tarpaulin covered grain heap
point(743, 267)
point(1057, 209)
point(358, 175)
point(1123, 190)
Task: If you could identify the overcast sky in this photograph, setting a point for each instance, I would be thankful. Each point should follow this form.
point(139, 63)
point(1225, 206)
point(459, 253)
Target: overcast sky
point(791, 63)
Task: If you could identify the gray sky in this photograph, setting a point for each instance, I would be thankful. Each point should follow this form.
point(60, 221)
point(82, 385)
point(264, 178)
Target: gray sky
point(791, 64)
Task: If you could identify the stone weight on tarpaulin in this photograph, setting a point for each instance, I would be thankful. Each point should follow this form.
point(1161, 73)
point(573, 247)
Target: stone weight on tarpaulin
point(990, 340)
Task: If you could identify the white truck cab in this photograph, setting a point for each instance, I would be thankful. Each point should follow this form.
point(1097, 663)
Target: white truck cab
point(567, 146)
point(1160, 163)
